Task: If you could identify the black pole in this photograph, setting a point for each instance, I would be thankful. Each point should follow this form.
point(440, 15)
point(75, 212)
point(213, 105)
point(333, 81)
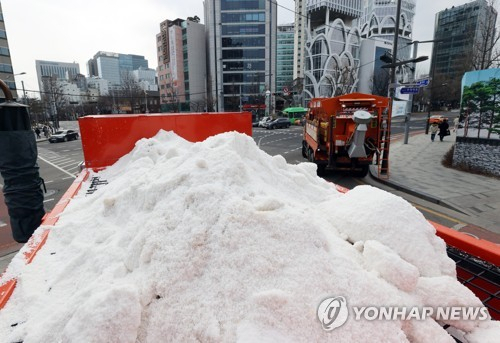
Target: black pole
point(427, 124)
point(385, 153)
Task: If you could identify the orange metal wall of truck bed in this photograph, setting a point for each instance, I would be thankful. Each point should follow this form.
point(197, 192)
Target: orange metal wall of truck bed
point(106, 138)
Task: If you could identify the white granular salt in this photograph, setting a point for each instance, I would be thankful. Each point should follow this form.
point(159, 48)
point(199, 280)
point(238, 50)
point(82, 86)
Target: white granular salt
point(219, 242)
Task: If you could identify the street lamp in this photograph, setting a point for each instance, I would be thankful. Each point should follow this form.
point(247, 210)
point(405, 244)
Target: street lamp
point(13, 75)
point(400, 63)
point(146, 98)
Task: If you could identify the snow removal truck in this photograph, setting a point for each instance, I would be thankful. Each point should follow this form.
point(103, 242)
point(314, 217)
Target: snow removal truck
point(346, 133)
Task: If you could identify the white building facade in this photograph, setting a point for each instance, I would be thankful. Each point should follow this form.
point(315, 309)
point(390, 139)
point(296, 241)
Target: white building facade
point(182, 65)
point(336, 33)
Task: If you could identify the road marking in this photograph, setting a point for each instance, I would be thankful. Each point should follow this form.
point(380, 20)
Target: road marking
point(69, 163)
point(51, 199)
point(69, 177)
point(48, 181)
point(57, 167)
point(60, 159)
point(436, 213)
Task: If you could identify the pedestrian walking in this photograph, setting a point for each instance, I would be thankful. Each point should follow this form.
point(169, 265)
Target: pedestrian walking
point(37, 131)
point(455, 124)
point(45, 131)
point(434, 129)
point(444, 129)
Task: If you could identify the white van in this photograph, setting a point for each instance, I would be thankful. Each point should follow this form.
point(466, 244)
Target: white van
point(264, 120)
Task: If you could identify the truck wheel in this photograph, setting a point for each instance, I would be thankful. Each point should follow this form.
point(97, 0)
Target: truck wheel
point(304, 150)
point(363, 172)
point(321, 171)
point(310, 155)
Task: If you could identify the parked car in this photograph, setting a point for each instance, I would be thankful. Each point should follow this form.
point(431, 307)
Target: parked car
point(264, 120)
point(278, 123)
point(63, 136)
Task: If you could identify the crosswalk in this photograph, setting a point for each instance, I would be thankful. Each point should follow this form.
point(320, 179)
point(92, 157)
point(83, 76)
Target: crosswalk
point(67, 163)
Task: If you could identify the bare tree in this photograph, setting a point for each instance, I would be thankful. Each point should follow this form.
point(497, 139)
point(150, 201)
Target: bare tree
point(194, 19)
point(53, 98)
point(380, 82)
point(131, 91)
point(198, 105)
point(485, 52)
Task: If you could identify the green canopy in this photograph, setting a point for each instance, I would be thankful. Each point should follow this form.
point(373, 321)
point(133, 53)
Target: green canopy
point(295, 110)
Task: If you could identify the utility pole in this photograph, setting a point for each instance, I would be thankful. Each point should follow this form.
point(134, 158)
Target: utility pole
point(408, 114)
point(392, 89)
point(24, 93)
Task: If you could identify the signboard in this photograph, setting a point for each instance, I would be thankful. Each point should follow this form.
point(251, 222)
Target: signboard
point(409, 90)
point(399, 108)
point(423, 83)
point(285, 91)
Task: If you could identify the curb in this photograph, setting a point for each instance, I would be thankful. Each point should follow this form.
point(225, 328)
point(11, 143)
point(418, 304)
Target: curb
point(417, 194)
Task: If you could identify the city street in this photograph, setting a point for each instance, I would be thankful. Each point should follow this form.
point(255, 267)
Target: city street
point(59, 165)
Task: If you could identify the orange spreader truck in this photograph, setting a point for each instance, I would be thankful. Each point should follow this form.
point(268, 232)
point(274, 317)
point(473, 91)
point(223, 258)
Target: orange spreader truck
point(346, 133)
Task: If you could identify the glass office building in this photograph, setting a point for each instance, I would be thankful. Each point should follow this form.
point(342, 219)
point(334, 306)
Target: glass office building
point(284, 58)
point(241, 48)
point(6, 70)
point(466, 33)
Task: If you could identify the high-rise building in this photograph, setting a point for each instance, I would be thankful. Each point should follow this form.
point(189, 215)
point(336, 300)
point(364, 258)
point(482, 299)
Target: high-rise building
point(115, 67)
point(332, 49)
point(56, 71)
point(299, 38)
point(284, 58)
point(466, 34)
point(337, 31)
point(131, 62)
point(182, 65)
point(241, 42)
point(379, 21)
point(6, 70)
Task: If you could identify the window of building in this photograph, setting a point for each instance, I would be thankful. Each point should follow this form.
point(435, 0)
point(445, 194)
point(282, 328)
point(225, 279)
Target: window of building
point(243, 17)
point(243, 4)
point(4, 51)
point(229, 30)
point(6, 68)
point(244, 54)
point(243, 41)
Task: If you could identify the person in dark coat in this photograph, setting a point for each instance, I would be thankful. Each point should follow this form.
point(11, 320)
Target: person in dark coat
point(443, 129)
point(37, 131)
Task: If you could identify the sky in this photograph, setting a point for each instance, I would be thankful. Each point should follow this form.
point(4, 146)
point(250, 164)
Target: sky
point(74, 31)
point(189, 242)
